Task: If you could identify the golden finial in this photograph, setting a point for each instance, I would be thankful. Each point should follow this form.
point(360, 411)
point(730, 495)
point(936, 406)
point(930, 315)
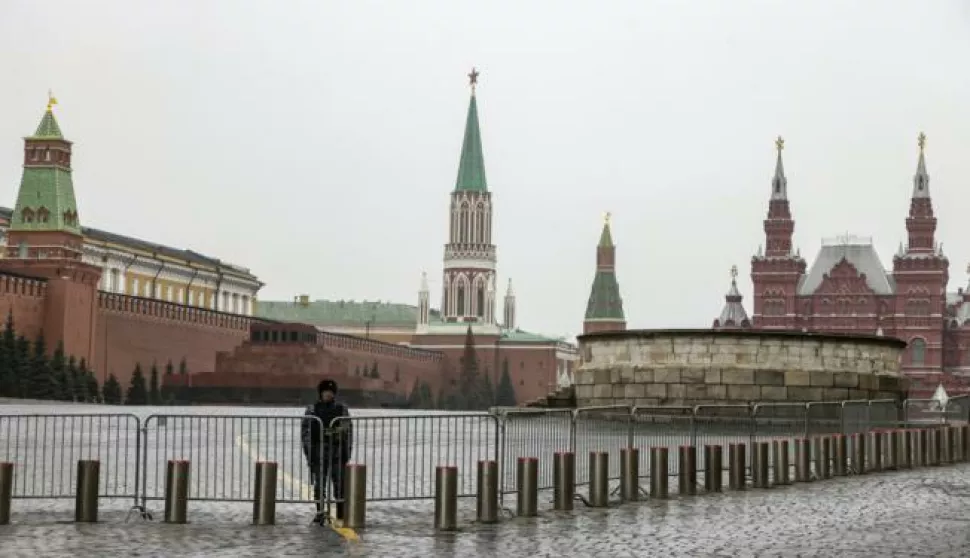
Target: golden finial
point(51, 100)
point(780, 144)
point(734, 273)
point(473, 78)
point(921, 141)
point(606, 218)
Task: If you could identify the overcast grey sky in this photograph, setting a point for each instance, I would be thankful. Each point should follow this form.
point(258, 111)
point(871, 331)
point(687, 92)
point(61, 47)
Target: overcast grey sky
point(316, 142)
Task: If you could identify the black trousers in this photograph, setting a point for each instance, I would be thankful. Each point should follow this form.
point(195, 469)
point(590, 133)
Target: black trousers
point(334, 468)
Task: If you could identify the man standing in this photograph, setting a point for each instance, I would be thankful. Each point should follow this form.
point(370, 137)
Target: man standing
point(328, 450)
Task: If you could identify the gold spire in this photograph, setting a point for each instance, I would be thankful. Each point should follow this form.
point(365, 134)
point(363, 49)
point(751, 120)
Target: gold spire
point(734, 273)
point(51, 100)
point(921, 141)
point(473, 78)
point(780, 144)
point(606, 218)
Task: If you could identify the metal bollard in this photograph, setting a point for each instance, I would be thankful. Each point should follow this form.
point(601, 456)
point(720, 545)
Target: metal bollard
point(803, 462)
point(355, 495)
point(936, 446)
point(904, 459)
point(859, 454)
point(737, 466)
point(713, 468)
point(176, 492)
point(892, 450)
point(946, 448)
point(630, 474)
point(527, 487)
point(822, 452)
point(687, 471)
point(599, 479)
point(264, 494)
point(957, 455)
point(6, 492)
point(779, 450)
point(563, 480)
point(659, 471)
point(922, 448)
point(446, 498)
point(875, 451)
point(486, 497)
point(965, 442)
point(840, 455)
point(759, 465)
point(86, 500)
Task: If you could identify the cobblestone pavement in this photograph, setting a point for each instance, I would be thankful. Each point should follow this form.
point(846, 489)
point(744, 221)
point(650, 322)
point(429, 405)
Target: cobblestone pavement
point(921, 513)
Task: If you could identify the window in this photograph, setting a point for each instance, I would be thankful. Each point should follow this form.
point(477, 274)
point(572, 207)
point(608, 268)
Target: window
point(115, 280)
point(460, 311)
point(192, 297)
point(168, 293)
point(917, 351)
point(225, 302)
point(235, 305)
point(245, 305)
point(481, 301)
point(22, 249)
point(134, 287)
point(180, 296)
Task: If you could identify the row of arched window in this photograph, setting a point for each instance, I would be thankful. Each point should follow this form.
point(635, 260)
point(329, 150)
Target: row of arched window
point(471, 224)
point(462, 299)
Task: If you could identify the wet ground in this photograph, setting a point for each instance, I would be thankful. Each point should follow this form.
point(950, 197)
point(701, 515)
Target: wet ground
point(924, 512)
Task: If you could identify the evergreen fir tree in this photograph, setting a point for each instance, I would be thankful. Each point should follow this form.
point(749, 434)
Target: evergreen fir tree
point(9, 385)
point(414, 399)
point(183, 368)
point(470, 394)
point(357, 371)
point(87, 377)
point(154, 396)
point(505, 394)
point(78, 384)
point(169, 369)
point(23, 366)
point(137, 391)
point(112, 391)
point(373, 371)
point(397, 374)
point(41, 384)
point(425, 396)
point(61, 387)
point(167, 390)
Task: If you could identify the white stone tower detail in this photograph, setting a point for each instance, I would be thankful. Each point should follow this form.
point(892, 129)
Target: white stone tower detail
point(509, 307)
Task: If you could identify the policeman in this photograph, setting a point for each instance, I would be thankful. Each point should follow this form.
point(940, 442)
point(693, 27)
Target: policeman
point(329, 450)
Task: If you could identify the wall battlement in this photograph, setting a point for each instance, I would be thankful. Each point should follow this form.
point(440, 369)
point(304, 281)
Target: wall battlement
point(19, 285)
point(126, 304)
point(351, 343)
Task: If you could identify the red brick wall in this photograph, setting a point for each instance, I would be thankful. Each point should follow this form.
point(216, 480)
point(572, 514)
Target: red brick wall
point(132, 329)
point(25, 297)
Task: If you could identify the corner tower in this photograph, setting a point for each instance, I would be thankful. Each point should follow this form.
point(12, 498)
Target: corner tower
point(776, 271)
point(45, 239)
point(604, 310)
point(469, 261)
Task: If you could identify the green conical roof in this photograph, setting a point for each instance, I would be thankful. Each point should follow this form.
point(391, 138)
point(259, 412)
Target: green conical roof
point(606, 237)
point(471, 168)
point(604, 298)
point(45, 200)
point(48, 128)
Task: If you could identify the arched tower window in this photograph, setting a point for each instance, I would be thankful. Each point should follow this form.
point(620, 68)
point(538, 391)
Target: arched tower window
point(463, 223)
point(460, 303)
point(481, 301)
point(480, 224)
point(918, 351)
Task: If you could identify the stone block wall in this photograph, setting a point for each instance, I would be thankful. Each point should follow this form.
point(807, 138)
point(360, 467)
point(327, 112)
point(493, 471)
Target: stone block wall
point(703, 367)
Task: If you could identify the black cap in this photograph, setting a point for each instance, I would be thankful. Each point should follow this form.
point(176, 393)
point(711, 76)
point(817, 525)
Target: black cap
point(327, 385)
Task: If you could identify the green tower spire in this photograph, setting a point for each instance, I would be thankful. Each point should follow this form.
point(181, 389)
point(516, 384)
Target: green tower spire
point(45, 201)
point(471, 168)
point(604, 310)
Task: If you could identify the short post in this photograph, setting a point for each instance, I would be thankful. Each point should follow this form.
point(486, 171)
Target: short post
point(936, 446)
point(355, 495)
point(264, 499)
point(713, 468)
point(176, 491)
point(659, 470)
point(949, 441)
point(563, 480)
point(823, 457)
point(86, 500)
point(687, 471)
point(599, 479)
point(527, 487)
point(859, 453)
point(737, 466)
point(965, 437)
point(446, 498)
point(904, 460)
point(759, 465)
point(840, 455)
point(6, 492)
point(892, 450)
point(630, 474)
point(803, 463)
point(957, 456)
point(876, 450)
point(922, 447)
point(486, 497)
point(779, 450)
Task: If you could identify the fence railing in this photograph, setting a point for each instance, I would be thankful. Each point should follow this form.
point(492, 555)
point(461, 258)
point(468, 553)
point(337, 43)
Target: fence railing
point(402, 451)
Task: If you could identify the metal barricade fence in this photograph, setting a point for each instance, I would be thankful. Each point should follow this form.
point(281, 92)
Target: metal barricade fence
point(45, 450)
point(778, 421)
point(721, 425)
point(654, 426)
point(884, 414)
point(401, 452)
point(958, 409)
point(823, 418)
point(923, 412)
point(222, 452)
point(855, 416)
point(536, 433)
point(600, 429)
